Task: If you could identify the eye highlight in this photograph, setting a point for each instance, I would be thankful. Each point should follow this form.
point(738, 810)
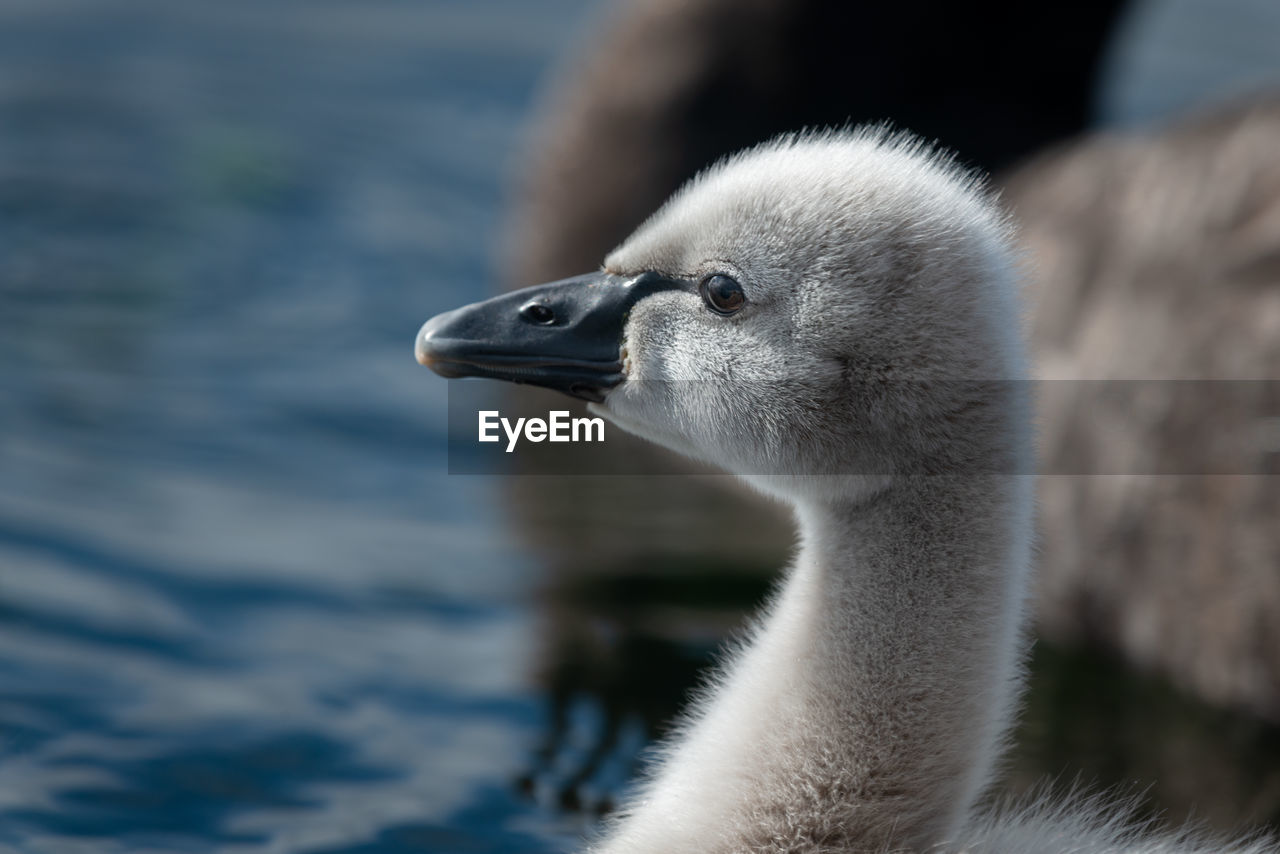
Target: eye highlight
point(722, 294)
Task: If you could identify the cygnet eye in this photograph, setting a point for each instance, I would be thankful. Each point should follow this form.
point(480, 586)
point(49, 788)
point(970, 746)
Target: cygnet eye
point(722, 294)
point(536, 312)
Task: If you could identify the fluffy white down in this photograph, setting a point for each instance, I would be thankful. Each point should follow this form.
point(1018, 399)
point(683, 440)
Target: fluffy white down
point(874, 381)
point(1089, 825)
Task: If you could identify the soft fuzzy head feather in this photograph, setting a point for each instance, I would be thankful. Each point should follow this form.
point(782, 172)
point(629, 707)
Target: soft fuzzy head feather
point(880, 305)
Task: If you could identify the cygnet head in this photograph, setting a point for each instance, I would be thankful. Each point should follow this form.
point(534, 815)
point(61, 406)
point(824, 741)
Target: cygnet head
point(836, 304)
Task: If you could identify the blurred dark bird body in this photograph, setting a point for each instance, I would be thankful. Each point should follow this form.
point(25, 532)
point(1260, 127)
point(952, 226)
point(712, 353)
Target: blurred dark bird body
point(1157, 258)
point(669, 87)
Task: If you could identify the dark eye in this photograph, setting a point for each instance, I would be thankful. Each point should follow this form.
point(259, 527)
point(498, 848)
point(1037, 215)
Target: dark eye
point(722, 294)
point(536, 312)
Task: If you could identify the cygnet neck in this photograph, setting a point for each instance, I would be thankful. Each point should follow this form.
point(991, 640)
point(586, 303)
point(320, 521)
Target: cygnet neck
point(867, 710)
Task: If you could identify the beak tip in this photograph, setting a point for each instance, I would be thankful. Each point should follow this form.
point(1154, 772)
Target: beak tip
point(422, 349)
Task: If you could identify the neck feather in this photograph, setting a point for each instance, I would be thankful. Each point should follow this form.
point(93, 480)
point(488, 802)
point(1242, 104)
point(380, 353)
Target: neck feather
point(868, 708)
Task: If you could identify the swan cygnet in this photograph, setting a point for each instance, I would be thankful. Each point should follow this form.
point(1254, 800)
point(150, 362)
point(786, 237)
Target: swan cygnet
point(833, 317)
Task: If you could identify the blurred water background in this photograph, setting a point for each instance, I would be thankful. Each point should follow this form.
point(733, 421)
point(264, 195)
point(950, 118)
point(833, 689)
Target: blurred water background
point(242, 606)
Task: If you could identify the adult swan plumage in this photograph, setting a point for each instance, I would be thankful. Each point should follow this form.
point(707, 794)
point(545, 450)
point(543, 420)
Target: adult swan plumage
point(834, 318)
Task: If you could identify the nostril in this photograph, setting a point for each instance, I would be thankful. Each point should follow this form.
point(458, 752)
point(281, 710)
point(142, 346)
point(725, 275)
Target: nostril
point(536, 312)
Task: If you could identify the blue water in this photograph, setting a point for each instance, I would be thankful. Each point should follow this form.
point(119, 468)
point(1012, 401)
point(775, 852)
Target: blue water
point(242, 607)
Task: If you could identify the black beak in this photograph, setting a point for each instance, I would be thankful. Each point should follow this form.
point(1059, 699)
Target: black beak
point(565, 335)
